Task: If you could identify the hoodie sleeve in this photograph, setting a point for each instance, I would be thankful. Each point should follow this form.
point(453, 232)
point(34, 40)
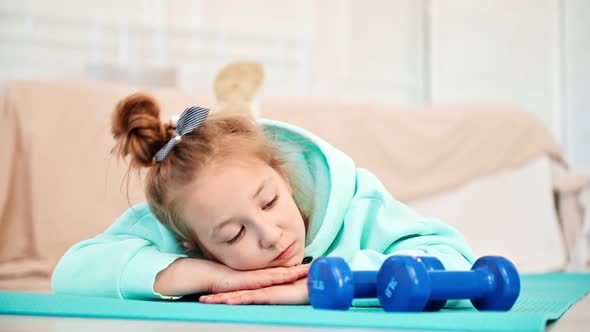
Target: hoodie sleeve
point(122, 262)
point(383, 226)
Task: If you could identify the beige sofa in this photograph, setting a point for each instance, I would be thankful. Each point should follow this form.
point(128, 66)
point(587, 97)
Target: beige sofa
point(487, 169)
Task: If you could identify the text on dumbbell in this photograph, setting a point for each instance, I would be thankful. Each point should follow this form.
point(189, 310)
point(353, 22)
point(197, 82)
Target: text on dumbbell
point(390, 287)
point(318, 284)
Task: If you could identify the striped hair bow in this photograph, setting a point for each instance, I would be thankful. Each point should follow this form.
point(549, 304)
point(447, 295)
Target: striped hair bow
point(188, 121)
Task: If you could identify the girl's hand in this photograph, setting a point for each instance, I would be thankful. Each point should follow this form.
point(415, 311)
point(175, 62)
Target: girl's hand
point(233, 280)
point(292, 293)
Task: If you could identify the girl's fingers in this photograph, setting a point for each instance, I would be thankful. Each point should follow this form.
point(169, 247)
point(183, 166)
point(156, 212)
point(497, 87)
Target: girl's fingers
point(219, 298)
point(258, 297)
point(277, 276)
point(241, 297)
point(256, 279)
point(303, 269)
point(295, 293)
point(291, 274)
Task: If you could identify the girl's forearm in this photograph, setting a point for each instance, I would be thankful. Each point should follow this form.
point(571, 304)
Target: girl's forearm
point(187, 276)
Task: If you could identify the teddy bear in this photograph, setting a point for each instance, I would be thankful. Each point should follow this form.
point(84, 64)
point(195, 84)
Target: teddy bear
point(237, 86)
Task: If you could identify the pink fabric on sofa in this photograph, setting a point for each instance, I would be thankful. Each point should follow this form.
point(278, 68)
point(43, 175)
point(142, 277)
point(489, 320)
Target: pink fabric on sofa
point(60, 184)
point(418, 152)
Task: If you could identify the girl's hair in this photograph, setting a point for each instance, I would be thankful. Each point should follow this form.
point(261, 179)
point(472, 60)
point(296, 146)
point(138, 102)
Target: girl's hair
point(139, 134)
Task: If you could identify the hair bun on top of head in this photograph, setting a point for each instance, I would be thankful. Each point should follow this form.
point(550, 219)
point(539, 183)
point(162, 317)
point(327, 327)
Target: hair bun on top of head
point(137, 129)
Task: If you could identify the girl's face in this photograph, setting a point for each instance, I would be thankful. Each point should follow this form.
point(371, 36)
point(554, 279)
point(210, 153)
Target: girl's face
point(244, 216)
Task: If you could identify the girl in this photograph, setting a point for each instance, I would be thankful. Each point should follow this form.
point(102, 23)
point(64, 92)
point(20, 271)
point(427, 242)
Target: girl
point(235, 207)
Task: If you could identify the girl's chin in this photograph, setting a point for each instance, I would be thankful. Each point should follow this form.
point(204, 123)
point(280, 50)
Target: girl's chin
point(295, 260)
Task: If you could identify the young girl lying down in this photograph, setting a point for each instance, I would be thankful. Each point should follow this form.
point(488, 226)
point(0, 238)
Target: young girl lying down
point(236, 207)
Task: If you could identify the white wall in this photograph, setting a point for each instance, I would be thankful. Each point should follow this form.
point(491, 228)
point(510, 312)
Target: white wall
point(575, 71)
point(532, 53)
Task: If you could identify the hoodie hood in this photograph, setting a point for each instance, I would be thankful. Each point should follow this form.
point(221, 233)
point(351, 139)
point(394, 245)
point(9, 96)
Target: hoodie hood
point(323, 180)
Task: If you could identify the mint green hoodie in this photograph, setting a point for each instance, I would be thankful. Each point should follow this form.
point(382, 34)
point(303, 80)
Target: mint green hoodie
point(350, 214)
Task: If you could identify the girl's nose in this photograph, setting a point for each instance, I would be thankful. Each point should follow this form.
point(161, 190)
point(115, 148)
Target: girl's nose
point(270, 236)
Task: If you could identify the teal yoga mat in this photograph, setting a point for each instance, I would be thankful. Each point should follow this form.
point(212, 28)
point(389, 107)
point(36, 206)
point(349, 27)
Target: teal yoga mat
point(544, 297)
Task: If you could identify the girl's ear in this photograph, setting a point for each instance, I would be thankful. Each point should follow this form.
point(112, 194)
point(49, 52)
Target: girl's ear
point(187, 245)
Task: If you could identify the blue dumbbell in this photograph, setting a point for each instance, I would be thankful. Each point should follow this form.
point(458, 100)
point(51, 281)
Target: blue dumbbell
point(433, 264)
point(333, 285)
point(405, 284)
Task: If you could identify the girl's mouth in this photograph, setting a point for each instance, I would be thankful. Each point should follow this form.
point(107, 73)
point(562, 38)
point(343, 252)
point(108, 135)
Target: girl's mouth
point(287, 253)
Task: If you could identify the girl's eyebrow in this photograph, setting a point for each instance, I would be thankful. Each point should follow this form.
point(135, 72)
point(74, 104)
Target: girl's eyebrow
point(260, 188)
point(258, 191)
point(220, 226)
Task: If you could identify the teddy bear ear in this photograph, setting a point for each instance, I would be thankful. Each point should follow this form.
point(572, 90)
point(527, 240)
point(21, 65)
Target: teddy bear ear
point(238, 82)
point(238, 107)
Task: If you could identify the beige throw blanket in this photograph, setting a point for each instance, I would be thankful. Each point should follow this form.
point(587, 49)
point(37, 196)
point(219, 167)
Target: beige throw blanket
point(424, 151)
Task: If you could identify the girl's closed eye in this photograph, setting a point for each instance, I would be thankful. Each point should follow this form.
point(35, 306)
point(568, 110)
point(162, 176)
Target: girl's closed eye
point(238, 236)
point(242, 230)
point(267, 206)
point(271, 204)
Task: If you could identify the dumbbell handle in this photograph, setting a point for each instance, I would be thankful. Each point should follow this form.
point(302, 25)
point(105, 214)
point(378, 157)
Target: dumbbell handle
point(459, 284)
point(365, 284)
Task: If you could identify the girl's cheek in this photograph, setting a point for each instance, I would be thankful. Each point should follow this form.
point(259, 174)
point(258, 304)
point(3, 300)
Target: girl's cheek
point(238, 256)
